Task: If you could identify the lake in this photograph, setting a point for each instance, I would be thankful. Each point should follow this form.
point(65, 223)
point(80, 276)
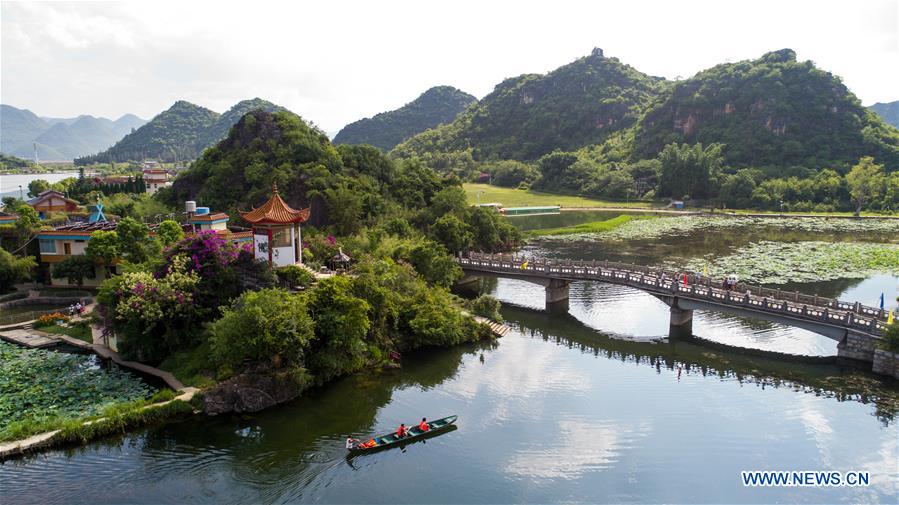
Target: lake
point(9, 184)
point(593, 406)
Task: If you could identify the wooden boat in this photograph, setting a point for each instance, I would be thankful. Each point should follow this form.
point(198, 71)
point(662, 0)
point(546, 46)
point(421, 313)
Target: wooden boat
point(437, 427)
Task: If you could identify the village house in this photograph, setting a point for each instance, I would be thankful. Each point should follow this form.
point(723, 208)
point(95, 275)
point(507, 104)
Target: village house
point(71, 239)
point(155, 179)
point(6, 218)
point(52, 201)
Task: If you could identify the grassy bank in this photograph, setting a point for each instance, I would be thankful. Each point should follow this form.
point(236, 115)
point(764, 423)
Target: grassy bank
point(81, 331)
point(115, 417)
point(511, 197)
point(591, 227)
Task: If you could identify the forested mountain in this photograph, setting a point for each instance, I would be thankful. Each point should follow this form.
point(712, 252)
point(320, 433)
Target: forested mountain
point(888, 111)
point(180, 133)
point(773, 111)
point(438, 105)
point(171, 135)
point(59, 139)
point(219, 129)
point(525, 117)
point(768, 112)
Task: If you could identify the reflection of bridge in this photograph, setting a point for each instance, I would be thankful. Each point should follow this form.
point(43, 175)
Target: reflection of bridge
point(855, 326)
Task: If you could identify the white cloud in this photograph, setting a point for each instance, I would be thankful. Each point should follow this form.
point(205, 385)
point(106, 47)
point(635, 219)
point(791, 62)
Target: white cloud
point(338, 61)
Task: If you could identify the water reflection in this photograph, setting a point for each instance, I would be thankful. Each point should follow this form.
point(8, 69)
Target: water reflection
point(820, 376)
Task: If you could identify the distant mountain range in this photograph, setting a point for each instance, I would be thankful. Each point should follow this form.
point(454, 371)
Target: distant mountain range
point(59, 139)
point(178, 134)
point(888, 111)
point(438, 105)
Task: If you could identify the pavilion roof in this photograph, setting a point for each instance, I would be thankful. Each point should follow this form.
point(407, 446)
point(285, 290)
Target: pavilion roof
point(276, 211)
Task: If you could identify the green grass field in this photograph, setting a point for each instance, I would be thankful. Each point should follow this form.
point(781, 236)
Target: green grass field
point(591, 227)
point(511, 197)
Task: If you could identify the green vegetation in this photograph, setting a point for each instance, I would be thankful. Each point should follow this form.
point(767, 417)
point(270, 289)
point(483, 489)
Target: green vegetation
point(770, 134)
point(781, 262)
point(80, 330)
point(525, 117)
point(14, 269)
point(681, 225)
point(75, 269)
point(589, 228)
point(14, 165)
point(38, 386)
point(296, 276)
point(530, 198)
point(180, 133)
point(438, 105)
point(485, 306)
point(890, 340)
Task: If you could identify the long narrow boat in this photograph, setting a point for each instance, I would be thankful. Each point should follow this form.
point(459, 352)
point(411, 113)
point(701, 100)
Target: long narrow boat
point(391, 440)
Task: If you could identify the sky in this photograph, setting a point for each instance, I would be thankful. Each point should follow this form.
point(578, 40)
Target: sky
point(338, 61)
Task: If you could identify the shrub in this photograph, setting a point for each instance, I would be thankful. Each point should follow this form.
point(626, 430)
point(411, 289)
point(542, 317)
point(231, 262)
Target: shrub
point(295, 275)
point(263, 325)
point(13, 269)
point(890, 340)
point(486, 306)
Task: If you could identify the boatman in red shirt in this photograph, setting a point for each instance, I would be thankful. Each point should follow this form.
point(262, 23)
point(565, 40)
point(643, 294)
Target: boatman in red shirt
point(423, 425)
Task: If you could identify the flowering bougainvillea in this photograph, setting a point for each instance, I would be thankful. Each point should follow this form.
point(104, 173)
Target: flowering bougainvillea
point(150, 299)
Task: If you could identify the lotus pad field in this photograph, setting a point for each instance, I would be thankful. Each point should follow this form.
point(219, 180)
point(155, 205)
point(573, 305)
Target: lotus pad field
point(770, 262)
point(38, 385)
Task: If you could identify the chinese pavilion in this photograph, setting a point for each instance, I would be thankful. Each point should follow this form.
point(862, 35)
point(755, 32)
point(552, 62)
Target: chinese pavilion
point(276, 231)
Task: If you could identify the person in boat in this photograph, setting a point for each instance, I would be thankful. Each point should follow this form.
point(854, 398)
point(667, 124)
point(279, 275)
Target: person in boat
point(423, 425)
point(402, 431)
point(352, 443)
point(366, 445)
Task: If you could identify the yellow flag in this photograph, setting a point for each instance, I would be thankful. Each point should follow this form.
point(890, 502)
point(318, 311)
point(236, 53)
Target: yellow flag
point(890, 318)
point(705, 270)
point(524, 265)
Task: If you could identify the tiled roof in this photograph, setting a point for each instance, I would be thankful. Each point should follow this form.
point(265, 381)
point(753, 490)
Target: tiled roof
point(49, 194)
point(276, 211)
point(215, 216)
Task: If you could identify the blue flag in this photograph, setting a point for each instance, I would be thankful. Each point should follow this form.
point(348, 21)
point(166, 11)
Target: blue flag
point(881, 301)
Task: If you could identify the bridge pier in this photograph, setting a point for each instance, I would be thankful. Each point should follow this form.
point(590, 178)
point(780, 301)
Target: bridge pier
point(680, 322)
point(557, 296)
point(856, 346)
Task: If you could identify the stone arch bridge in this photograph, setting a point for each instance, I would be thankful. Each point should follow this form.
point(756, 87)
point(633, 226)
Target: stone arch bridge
point(855, 326)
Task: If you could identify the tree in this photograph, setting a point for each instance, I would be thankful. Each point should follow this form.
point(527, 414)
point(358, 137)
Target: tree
point(450, 231)
point(28, 221)
point(261, 325)
point(736, 191)
point(75, 269)
point(37, 186)
point(135, 244)
point(168, 232)
point(866, 182)
point(14, 270)
point(103, 247)
point(510, 173)
point(341, 323)
point(690, 170)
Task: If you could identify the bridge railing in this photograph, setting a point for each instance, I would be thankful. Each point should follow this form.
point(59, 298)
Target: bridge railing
point(798, 305)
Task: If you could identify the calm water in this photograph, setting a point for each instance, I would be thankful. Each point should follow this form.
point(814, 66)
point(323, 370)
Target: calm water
point(9, 184)
point(593, 406)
